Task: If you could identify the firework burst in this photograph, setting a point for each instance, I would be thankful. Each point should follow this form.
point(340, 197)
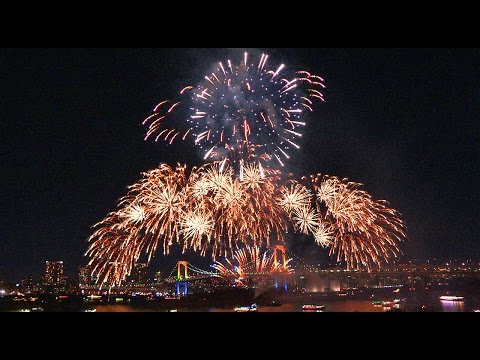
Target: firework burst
point(211, 210)
point(237, 105)
point(324, 235)
point(294, 198)
point(305, 219)
point(208, 209)
point(242, 115)
point(253, 263)
point(196, 225)
point(365, 231)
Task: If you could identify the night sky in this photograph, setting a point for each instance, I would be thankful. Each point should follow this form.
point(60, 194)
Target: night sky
point(404, 122)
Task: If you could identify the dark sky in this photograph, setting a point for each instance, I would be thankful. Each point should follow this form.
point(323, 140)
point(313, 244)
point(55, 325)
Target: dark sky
point(402, 121)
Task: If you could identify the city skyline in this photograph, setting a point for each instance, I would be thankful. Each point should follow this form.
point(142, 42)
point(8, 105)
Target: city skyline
point(53, 274)
point(399, 121)
point(278, 286)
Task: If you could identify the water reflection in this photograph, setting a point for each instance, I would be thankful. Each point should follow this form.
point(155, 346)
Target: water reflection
point(428, 302)
point(453, 306)
point(334, 306)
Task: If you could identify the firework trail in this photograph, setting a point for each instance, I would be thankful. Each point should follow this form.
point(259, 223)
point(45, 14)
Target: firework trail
point(237, 105)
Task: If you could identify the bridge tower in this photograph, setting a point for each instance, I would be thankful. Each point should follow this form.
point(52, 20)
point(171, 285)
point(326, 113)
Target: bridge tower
point(182, 278)
point(181, 264)
point(280, 251)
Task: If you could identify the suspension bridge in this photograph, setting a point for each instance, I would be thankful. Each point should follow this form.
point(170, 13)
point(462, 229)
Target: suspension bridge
point(251, 272)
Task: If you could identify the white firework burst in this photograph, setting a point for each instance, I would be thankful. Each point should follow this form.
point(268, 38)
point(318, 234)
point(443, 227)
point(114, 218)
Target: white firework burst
point(215, 178)
point(134, 213)
point(328, 190)
point(294, 197)
point(200, 188)
point(231, 194)
point(195, 225)
point(323, 236)
point(252, 176)
point(306, 219)
point(167, 200)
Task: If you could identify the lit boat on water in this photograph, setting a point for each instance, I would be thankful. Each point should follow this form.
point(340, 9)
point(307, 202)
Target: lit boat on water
point(313, 307)
point(451, 298)
point(390, 303)
point(250, 308)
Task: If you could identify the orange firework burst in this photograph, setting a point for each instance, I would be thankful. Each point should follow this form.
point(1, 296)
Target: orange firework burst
point(211, 210)
point(251, 262)
point(360, 230)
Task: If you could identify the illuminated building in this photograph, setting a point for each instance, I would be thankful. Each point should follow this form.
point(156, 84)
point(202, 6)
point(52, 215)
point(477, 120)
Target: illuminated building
point(138, 275)
point(158, 277)
point(27, 283)
point(85, 275)
point(53, 273)
point(31, 284)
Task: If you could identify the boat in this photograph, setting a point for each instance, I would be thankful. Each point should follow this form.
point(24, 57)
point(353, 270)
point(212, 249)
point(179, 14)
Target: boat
point(391, 303)
point(451, 298)
point(90, 310)
point(250, 308)
point(395, 309)
point(377, 302)
point(313, 307)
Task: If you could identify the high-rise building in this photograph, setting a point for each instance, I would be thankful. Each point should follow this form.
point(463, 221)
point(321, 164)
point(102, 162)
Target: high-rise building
point(158, 278)
point(53, 273)
point(27, 283)
point(85, 275)
point(138, 275)
point(31, 284)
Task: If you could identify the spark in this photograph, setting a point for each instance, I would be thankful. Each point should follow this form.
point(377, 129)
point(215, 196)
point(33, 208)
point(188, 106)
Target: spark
point(159, 105)
point(280, 68)
point(186, 89)
point(223, 69)
point(291, 142)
